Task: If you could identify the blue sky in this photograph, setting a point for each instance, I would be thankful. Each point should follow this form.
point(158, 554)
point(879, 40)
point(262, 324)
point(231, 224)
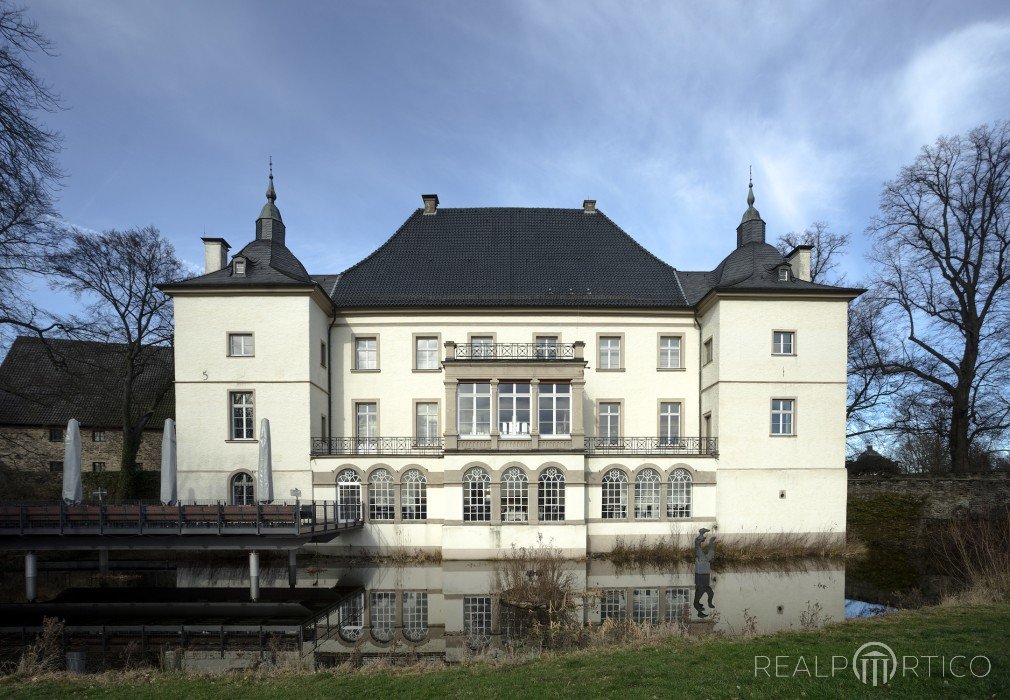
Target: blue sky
point(654, 109)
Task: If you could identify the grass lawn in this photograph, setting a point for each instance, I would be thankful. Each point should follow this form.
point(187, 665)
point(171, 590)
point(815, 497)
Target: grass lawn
point(712, 668)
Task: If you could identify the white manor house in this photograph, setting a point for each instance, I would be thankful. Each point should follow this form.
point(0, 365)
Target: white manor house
point(491, 376)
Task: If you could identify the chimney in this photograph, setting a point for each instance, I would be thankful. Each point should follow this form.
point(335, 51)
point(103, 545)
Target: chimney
point(799, 260)
point(589, 206)
point(215, 254)
point(430, 203)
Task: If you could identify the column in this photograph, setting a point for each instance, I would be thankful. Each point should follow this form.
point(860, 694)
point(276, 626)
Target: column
point(31, 577)
point(254, 576)
point(451, 424)
point(578, 424)
point(292, 568)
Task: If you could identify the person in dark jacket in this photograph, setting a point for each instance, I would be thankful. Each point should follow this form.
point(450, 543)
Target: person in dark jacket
point(703, 571)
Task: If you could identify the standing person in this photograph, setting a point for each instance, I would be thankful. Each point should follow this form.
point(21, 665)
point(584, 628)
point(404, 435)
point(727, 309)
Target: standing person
point(703, 571)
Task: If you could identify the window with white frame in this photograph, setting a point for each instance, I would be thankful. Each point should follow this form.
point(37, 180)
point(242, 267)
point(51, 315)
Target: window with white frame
point(382, 615)
point(366, 353)
point(551, 495)
point(366, 426)
point(610, 352)
point(678, 497)
point(477, 620)
point(242, 490)
point(476, 496)
point(515, 496)
point(610, 423)
point(669, 423)
point(241, 415)
point(782, 416)
point(381, 496)
point(614, 499)
point(547, 347)
point(613, 605)
point(783, 274)
point(645, 606)
point(98, 467)
point(678, 605)
point(414, 495)
point(348, 496)
point(426, 423)
point(240, 344)
point(351, 616)
point(669, 352)
point(415, 615)
point(474, 409)
point(97, 436)
point(555, 409)
point(482, 346)
point(238, 266)
point(514, 409)
point(426, 353)
point(647, 495)
point(782, 342)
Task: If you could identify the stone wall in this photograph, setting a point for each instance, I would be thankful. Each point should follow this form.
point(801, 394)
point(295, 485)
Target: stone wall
point(943, 497)
point(29, 449)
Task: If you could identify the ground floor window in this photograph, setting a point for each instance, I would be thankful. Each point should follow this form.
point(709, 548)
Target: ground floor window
point(551, 495)
point(645, 606)
point(515, 496)
point(381, 496)
point(414, 496)
point(678, 500)
point(613, 605)
point(348, 496)
point(476, 496)
point(242, 490)
point(614, 499)
point(647, 495)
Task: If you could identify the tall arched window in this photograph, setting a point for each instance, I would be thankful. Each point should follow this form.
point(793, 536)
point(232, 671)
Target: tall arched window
point(551, 495)
point(381, 498)
point(476, 496)
point(242, 490)
point(414, 496)
point(515, 496)
point(348, 496)
point(678, 500)
point(615, 495)
point(647, 494)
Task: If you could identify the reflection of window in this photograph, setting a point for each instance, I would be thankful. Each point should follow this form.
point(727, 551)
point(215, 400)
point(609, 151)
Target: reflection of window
point(613, 605)
point(348, 496)
point(669, 352)
point(382, 615)
point(381, 499)
point(241, 415)
point(474, 409)
point(782, 343)
point(426, 353)
point(610, 423)
point(350, 617)
point(426, 424)
point(414, 496)
point(240, 344)
point(555, 409)
point(678, 605)
point(782, 416)
point(615, 495)
point(647, 494)
point(547, 347)
point(551, 495)
point(514, 409)
point(645, 606)
point(678, 500)
point(610, 352)
point(476, 495)
point(415, 615)
point(515, 496)
point(242, 493)
point(366, 353)
point(477, 620)
point(669, 423)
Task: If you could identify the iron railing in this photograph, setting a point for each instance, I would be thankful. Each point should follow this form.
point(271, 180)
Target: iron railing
point(514, 351)
point(377, 446)
point(653, 445)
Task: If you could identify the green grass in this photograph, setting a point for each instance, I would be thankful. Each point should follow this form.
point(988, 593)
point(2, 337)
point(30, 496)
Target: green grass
point(713, 668)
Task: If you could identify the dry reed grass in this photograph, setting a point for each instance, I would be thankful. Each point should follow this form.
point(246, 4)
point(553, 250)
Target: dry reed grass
point(975, 554)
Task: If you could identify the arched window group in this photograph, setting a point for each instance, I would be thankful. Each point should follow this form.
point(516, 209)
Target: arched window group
point(514, 495)
point(646, 499)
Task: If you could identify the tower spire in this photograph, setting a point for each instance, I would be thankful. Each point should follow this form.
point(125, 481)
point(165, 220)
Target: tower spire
point(271, 194)
point(269, 225)
point(752, 226)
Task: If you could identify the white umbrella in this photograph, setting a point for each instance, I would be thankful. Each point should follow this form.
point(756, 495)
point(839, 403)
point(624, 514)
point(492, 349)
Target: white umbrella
point(264, 474)
point(168, 457)
point(73, 490)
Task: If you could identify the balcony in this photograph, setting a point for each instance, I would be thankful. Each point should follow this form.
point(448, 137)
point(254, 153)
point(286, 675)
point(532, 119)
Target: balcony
point(435, 447)
point(696, 446)
point(385, 446)
point(514, 352)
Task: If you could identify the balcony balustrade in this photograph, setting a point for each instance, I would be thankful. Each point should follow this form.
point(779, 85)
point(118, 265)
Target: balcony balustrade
point(515, 352)
point(435, 447)
point(377, 446)
point(652, 446)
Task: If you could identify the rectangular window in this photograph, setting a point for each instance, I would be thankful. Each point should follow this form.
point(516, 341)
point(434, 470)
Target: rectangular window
point(474, 409)
point(669, 423)
point(782, 343)
point(322, 426)
point(366, 353)
point(782, 416)
point(240, 344)
point(669, 352)
point(706, 425)
point(610, 352)
point(645, 606)
point(322, 353)
point(678, 605)
point(547, 347)
point(555, 410)
point(56, 466)
point(366, 426)
point(482, 346)
point(241, 415)
point(613, 605)
point(56, 435)
point(709, 353)
point(98, 467)
point(426, 423)
point(97, 436)
point(610, 423)
point(514, 409)
point(426, 353)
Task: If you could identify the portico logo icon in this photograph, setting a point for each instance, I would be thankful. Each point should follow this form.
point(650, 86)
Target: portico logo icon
point(874, 663)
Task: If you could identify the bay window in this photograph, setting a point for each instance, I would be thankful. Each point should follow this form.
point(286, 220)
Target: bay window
point(474, 409)
point(554, 409)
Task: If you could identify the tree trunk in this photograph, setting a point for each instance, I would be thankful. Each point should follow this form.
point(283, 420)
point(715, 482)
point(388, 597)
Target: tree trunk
point(131, 438)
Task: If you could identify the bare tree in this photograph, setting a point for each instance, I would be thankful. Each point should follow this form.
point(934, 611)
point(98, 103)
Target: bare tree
point(28, 168)
point(116, 274)
point(829, 247)
point(942, 253)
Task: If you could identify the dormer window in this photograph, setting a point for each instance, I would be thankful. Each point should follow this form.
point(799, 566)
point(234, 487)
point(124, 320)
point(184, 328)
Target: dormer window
point(238, 266)
point(783, 274)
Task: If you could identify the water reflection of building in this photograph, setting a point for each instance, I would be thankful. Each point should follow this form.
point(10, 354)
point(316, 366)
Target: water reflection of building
point(448, 609)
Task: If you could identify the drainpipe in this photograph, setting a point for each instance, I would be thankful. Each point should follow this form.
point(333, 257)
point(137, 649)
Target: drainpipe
point(329, 380)
point(701, 346)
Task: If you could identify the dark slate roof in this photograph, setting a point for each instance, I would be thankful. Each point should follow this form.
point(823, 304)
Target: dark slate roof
point(49, 382)
point(268, 263)
point(509, 257)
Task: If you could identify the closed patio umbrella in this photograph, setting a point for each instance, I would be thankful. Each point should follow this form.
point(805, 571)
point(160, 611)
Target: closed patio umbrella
point(264, 474)
point(168, 457)
point(73, 490)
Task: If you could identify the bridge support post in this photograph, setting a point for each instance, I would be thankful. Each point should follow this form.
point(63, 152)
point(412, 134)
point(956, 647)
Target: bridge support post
point(254, 575)
point(103, 561)
point(31, 577)
point(292, 568)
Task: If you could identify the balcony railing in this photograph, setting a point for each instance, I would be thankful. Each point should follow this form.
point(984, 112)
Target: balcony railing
point(534, 352)
point(652, 445)
point(377, 446)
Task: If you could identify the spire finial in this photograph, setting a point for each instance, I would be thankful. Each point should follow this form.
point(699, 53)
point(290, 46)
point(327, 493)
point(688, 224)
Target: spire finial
point(271, 195)
point(750, 186)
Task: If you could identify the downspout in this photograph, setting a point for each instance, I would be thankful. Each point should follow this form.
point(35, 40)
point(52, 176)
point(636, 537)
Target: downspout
point(701, 346)
point(329, 379)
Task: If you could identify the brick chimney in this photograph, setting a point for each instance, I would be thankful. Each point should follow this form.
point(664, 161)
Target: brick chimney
point(215, 254)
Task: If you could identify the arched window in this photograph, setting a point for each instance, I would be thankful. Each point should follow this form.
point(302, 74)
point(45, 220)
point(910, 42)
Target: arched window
point(678, 500)
point(476, 496)
point(477, 620)
point(647, 494)
point(350, 614)
point(348, 496)
point(415, 615)
point(382, 615)
point(615, 495)
point(242, 490)
point(381, 499)
point(515, 496)
point(551, 495)
point(414, 496)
